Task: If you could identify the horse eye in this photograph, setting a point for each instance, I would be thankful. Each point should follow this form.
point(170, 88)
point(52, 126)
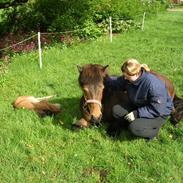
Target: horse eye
point(86, 108)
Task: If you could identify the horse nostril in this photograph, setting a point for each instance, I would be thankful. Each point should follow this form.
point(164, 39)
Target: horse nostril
point(96, 119)
point(93, 119)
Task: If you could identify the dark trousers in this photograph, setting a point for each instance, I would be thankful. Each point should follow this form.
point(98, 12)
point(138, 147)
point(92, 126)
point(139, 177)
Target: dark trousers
point(142, 127)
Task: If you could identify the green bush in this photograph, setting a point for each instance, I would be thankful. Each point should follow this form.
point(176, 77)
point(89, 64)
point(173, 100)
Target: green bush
point(118, 25)
point(89, 30)
point(55, 15)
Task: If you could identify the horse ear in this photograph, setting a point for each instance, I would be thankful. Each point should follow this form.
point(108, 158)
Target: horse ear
point(105, 67)
point(80, 69)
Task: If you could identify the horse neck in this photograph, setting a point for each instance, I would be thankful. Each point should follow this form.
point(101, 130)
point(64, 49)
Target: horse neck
point(107, 91)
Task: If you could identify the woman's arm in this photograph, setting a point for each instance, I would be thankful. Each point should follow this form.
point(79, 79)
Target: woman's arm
point(115, 83)
point(157, 102)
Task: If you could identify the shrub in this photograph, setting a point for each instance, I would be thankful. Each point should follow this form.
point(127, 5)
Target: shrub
point(90, 15)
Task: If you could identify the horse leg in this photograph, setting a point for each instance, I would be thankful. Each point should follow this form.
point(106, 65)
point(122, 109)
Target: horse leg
point(116, 126)
point(82, 123)
point(175, 118)
point(177, 114)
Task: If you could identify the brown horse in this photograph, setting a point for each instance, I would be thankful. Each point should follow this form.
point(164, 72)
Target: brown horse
point(97, 101)
point(91, 81)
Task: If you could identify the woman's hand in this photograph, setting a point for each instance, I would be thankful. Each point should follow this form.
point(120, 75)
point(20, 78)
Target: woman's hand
point(131, 116)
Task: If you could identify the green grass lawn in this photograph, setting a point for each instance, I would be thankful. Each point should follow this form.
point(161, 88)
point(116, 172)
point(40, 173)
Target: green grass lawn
point(47, 150)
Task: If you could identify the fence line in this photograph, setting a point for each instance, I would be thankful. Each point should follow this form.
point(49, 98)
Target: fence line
point(122, 18)
point(110, 24)
point(47, 33)
point(18, 42)
point(65, 32)
point(39, 43)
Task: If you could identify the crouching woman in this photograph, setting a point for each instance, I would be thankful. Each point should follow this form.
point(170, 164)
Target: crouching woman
point(147, 94)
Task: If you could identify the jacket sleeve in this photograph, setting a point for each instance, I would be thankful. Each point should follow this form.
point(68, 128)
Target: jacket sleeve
point(157, 102)
point(115, 83)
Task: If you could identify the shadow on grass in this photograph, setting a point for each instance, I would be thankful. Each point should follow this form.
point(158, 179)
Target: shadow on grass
point(71, 112)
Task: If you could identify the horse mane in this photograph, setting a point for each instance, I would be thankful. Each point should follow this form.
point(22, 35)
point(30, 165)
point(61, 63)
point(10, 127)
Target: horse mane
point(91, 74)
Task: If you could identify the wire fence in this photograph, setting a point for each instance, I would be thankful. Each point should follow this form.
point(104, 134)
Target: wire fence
point(40, 36)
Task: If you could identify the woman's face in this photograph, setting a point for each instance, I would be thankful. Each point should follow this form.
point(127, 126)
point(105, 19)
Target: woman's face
point(131, 78)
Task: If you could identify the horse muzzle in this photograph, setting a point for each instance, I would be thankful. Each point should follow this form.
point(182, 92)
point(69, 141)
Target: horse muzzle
point(94, 115)
point(95, 120)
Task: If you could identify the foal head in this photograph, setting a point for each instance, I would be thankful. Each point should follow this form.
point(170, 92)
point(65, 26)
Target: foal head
point(91, 81)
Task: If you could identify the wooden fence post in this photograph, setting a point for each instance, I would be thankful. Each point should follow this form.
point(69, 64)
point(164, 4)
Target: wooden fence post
point(110, 29)
point(143, 21)
point(40, 52)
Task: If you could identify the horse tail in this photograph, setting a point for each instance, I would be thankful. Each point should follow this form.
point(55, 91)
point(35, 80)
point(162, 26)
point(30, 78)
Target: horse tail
point(177, 114)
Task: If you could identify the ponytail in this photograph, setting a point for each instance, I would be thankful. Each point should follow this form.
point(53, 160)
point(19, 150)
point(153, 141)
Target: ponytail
point(145, 67)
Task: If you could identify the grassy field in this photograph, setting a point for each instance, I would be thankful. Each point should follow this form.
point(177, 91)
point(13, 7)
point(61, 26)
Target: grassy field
point(47, 150)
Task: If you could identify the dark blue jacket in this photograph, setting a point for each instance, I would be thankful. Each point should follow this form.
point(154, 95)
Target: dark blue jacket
point(148, 93)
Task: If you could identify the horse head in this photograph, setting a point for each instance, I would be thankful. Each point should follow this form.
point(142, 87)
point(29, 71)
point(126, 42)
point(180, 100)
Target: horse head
point(91, 81)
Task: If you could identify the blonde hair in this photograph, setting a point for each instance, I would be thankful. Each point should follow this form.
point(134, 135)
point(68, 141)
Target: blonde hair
point(132, 67)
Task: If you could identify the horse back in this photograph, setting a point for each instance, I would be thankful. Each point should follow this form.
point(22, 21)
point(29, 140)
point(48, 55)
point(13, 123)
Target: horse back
point(168, 83)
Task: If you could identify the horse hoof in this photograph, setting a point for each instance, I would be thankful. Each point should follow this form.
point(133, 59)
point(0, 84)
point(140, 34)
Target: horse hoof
point(76, 127)
point(82, 123)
